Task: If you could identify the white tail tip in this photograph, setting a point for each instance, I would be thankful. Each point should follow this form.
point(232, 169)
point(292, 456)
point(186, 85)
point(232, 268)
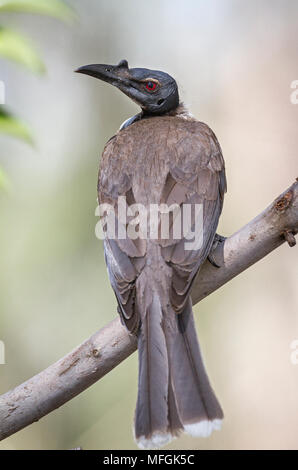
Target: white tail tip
point(157, 440)
point(203, 428)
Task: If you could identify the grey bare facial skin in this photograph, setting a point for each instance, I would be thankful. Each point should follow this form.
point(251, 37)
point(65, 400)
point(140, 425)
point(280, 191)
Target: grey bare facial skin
point(132, 82)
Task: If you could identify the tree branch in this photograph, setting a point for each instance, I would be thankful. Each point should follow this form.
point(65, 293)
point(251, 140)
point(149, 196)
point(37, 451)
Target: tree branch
point(112, 344)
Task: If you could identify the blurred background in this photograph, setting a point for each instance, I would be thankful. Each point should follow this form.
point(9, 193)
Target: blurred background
point(234, 62)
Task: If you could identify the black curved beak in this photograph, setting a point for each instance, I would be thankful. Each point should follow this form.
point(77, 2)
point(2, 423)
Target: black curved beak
point(113, 74)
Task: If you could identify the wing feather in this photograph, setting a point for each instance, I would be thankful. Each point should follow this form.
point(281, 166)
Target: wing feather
point(166, 160)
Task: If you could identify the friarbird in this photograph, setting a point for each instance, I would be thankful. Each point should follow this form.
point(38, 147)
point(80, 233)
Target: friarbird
point(162, 156)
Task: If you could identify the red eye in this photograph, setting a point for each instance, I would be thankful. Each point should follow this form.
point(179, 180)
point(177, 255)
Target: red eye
point(151, 86)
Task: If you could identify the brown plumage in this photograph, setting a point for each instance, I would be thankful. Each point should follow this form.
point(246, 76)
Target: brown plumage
point(170, 159)
point(167, 158)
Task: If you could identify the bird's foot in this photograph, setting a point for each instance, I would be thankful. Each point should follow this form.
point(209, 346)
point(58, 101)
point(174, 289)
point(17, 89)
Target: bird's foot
point(216, 241)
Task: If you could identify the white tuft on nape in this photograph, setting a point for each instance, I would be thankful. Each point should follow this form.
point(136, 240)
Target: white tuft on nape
point(203, 428)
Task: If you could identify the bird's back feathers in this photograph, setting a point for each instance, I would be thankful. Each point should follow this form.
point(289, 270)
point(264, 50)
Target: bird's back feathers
point(170, 159)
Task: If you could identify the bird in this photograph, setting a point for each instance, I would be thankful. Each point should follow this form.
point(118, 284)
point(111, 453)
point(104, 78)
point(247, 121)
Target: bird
point(161, 156)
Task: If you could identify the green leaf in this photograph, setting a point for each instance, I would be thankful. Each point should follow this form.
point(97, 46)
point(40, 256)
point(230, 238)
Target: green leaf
point(16, 47)
point(4, 181)
point(55, 8)
point(13, 126)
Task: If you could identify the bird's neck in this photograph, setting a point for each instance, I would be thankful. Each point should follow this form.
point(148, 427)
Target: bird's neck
point(180, 111)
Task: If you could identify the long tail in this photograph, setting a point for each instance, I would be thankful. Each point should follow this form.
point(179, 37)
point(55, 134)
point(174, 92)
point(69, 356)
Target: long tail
point(174, 392)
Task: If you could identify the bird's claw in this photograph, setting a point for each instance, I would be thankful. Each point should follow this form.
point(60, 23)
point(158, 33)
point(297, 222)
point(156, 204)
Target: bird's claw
point(211, 258)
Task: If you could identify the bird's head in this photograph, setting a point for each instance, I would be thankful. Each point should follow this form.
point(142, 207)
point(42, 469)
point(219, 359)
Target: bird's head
point(154, 91)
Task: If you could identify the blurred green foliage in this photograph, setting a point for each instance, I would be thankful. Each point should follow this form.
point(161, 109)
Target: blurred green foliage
point(20, 49)
point(12, 126)
point(55, 8)
point(4, 182)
